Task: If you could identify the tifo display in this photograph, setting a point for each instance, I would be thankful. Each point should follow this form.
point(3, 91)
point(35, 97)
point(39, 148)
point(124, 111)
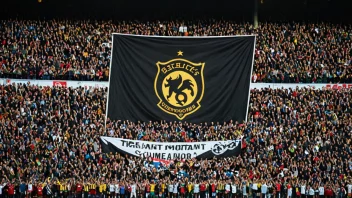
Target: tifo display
point(173, 79)
point(151, 111)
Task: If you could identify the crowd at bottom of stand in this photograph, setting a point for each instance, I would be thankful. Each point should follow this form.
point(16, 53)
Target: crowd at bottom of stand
point(175, 189)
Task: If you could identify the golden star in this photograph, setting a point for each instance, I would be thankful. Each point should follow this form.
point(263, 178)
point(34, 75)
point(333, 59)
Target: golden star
point(180, 53)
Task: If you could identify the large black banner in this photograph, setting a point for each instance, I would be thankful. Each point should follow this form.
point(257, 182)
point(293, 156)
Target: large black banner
point(196, 79)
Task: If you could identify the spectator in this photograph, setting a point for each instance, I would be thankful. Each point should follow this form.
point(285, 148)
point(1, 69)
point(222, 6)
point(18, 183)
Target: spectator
point(296, 142)
point(81, 50)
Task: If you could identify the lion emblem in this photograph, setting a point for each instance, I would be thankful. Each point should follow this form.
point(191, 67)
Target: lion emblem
point(178, 86)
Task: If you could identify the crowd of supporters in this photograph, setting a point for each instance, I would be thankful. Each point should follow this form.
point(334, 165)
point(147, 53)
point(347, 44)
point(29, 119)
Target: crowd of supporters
point(81, 50)
point(296, 143)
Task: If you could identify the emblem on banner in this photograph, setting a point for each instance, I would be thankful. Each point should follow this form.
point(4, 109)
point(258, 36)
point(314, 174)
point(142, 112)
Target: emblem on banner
point(179, 84)
point(220, 147)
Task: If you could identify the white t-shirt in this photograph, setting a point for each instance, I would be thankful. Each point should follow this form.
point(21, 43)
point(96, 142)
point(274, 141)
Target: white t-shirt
point(117, 189)
point(227, 187)
point(30, 187)
point(196, 188)
point(311, 191)
point(171, 188)
point(289, 192)
point(182, 29)
point(349, 188)
point(264, 189)
point(303, 189)
point(255, 186)
point(175, 188)
point(234, 188)
point(1, 187)
point(112, 187)
point(133, 188)
point(244, 189)
point(321, 190)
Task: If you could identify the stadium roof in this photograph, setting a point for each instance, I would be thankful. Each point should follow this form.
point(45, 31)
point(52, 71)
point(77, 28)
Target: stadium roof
point(241, 10)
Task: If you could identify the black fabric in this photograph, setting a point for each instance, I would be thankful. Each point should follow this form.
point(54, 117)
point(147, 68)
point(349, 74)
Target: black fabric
point(236, 151)
point(134, 78)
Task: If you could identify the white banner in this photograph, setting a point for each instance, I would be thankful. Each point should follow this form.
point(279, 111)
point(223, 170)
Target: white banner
point(95, 84)
point(170, 151)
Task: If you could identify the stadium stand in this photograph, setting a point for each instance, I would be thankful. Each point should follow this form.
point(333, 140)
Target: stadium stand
point(80, 50)
point(297, 143)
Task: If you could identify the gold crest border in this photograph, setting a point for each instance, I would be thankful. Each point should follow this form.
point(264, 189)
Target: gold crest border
point(201, 73)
